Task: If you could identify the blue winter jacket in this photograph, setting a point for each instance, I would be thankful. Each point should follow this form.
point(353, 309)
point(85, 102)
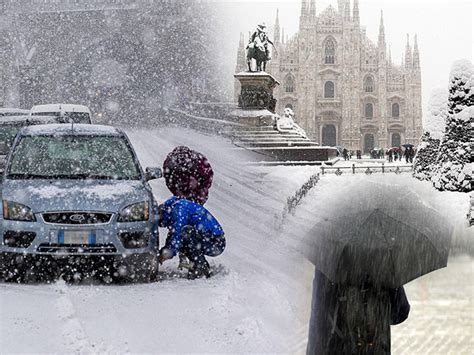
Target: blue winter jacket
point(178, 213)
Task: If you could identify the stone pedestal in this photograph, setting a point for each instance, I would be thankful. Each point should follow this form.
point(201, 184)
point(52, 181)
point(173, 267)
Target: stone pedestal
point(256, 132)
point(256, 102)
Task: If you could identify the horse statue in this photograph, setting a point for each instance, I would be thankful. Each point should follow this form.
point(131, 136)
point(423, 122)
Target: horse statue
point(256, 50)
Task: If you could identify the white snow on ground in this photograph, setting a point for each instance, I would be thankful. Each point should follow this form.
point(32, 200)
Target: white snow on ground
point(251, 305)
point(258, 301)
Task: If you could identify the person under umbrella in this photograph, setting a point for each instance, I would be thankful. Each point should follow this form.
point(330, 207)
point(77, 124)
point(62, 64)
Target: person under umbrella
point(362, 260)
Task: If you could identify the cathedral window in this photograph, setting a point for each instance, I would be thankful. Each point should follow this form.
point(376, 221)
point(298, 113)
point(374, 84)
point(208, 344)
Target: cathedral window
point(329, 90)
point(329, 52)
point(369, 111)
point(289, 84)
point(369, 84)
point(395, 110)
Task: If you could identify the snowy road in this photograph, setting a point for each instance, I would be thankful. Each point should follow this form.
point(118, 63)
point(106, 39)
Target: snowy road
point(258, 301)
point(251, 305)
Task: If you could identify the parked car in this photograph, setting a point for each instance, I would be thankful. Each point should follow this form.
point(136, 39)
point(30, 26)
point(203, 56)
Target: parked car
point(78, 191)
point(68, 112)
point(13, 112)
point(11, 125)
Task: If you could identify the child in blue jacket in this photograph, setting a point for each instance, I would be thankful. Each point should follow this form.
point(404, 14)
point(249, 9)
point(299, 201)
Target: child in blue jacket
point(192, 231)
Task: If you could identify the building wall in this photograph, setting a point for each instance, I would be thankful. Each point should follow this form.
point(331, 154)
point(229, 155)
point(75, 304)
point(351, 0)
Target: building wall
point(302, 59)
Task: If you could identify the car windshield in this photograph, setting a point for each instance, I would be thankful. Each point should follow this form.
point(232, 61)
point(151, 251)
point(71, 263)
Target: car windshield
point(67, 117)
point(73, 157)
point(77, 117)
point(7, 135)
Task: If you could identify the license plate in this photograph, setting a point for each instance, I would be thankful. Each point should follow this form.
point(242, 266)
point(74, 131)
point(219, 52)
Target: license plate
point(76, 237)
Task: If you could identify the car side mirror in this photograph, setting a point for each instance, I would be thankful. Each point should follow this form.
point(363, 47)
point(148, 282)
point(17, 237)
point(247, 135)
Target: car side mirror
point(153, 173)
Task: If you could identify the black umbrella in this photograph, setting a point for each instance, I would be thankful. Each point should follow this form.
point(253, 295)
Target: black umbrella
point(408, 145)
point(385, 236)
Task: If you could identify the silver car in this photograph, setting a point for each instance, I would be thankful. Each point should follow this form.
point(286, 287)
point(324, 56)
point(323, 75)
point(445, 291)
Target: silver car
point(74, 192)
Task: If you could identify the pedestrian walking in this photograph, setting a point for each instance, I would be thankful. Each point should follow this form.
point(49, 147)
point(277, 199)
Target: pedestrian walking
point(345, 154)
point(412, 154)
point(353, 319)
point(382, 154)
point(390, 155)
point(406, 154)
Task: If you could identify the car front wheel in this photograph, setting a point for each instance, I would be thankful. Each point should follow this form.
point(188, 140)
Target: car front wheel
point(137, 268)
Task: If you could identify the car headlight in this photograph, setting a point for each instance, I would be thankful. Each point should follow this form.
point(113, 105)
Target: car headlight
point(136, 212)
point(14, 211)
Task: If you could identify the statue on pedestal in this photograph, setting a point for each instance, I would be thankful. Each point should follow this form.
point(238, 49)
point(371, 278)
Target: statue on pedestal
point(258, 48)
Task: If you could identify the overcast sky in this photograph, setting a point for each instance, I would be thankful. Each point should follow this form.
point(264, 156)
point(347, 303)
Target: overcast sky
point(444, 28)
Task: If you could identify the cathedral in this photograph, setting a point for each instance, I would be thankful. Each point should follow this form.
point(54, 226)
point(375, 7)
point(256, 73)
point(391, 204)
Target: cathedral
point(344, 89)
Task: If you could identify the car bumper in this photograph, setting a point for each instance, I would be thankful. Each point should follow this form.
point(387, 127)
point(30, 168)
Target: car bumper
point(106, 239)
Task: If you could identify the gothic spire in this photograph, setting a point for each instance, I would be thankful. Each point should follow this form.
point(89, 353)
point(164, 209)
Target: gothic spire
point(276, 34)
point(408, 54)
point(390, 55)
point(340, 6)
point(416, 55)
point(381, 30)
point(312, 9)
point(283, 39)
point(355, 12)
point(304, 7)
point(347, 10)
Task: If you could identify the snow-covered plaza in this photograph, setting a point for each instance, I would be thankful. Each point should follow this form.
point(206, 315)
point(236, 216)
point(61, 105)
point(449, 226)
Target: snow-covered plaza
point(259, 300)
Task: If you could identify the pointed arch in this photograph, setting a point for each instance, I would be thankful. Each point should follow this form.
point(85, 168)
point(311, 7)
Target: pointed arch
point(369, 84)
point(369, 110)
point(329, 50)
point(289, 84)
point(396, 110)
point(396, 139)
point(329, 90)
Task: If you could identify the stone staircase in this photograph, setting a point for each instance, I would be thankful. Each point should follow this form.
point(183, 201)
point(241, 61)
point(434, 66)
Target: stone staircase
point(288, 148)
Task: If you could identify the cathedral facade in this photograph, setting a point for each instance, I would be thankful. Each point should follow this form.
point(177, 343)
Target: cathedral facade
point(343, 88)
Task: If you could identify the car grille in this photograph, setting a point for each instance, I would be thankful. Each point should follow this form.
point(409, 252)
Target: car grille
point(77, 249)
point(77, 218)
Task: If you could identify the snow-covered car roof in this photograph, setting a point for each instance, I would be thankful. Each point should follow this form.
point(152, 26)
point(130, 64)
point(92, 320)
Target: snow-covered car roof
point(27, 120)
point(60, 107)
point(9, 111)
point(67, 129)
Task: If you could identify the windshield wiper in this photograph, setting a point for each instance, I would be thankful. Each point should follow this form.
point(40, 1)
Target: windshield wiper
point(31, 176)
point(84, 176)
point(99, 177)
point(68, 176)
